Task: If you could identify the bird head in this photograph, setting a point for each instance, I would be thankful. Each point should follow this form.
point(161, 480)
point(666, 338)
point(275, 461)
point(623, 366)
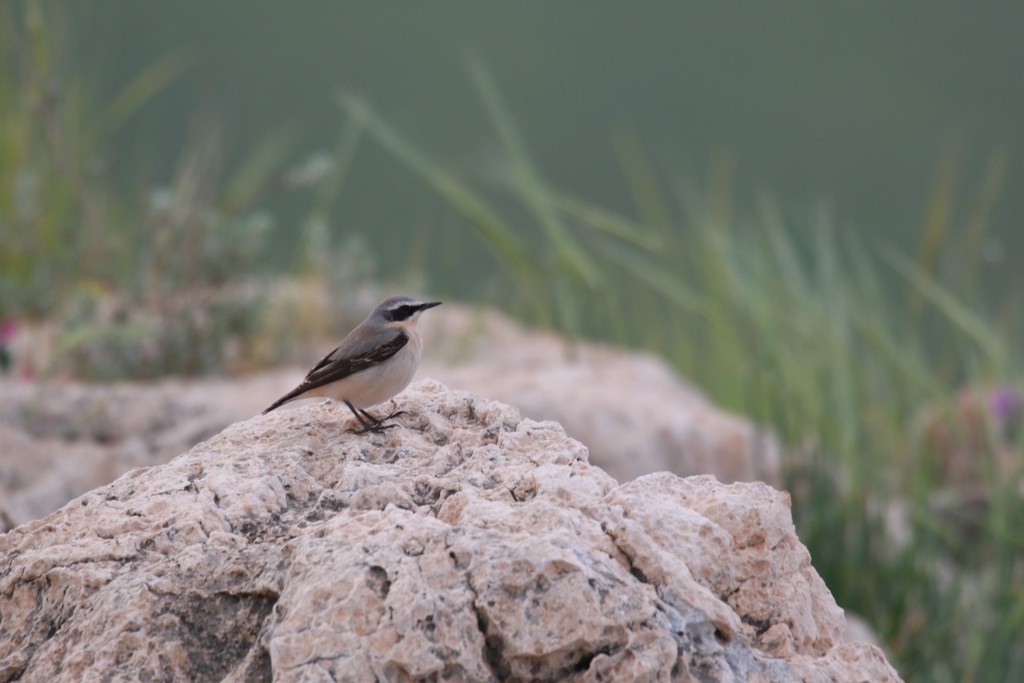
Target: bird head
point(402, 309)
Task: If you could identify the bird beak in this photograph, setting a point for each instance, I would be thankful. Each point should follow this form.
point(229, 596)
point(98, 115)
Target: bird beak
point(429, 304)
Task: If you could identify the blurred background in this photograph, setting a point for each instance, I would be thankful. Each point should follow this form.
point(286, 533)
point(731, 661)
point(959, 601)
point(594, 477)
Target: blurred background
point(812, 211)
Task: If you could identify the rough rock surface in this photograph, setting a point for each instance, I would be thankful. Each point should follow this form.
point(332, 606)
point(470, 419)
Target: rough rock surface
point(467, 544)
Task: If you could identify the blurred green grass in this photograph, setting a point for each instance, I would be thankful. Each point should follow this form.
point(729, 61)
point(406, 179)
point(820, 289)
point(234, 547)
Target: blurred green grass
point(856, 355)
point(853, 353)
point(166, 280)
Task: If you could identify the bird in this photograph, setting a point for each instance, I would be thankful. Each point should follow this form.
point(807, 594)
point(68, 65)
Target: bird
point(373, 363)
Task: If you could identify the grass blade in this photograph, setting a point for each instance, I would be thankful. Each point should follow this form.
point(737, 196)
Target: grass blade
point(489, 226)
point(572, 259)
point(953, 309)
point(606, 221)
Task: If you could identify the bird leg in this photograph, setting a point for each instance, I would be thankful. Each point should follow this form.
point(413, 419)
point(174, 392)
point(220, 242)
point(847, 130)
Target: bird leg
point(373, 420)
point(383, 419)
point(368, 422)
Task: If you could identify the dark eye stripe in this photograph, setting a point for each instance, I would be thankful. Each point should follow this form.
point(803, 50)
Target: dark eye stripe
point(400, 313)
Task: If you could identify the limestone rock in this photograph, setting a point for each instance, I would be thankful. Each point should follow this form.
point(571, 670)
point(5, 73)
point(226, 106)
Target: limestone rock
point(467, 544)
point(61, 439)
point(37, 476)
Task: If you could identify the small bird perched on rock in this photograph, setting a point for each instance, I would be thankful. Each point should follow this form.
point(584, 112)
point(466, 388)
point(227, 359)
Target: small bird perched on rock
point(373, 363)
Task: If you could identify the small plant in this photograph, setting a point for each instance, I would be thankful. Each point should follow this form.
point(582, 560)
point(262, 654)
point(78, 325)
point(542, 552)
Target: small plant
point(171, 284)
point(58, 224)
point(195, 303)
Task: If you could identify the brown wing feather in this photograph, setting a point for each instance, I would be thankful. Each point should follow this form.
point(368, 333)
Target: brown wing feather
point(331, 369)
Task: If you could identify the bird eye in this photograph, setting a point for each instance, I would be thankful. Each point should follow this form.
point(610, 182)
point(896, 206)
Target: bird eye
point(400, 313)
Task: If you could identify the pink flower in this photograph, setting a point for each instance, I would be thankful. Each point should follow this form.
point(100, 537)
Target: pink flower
point(8, 328)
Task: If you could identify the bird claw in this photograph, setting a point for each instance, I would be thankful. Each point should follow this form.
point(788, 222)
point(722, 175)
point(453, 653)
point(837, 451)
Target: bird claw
point(369, 423)
point(376, 429)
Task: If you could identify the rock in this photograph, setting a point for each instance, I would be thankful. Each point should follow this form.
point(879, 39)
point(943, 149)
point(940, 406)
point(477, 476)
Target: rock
point(631, 409)
point(859, 629)
point(467, 544)
point(61, 439)
point(37, 476)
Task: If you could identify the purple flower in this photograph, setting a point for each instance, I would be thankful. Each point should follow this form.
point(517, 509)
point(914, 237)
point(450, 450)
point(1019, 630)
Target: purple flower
point(1006, 404)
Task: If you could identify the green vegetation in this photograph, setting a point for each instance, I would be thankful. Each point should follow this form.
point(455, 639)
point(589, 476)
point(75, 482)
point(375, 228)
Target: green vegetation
point(854, 354)
point(159, 282)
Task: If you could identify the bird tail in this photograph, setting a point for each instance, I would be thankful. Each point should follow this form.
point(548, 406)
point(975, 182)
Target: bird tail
point(275, 405)
point(284, 399)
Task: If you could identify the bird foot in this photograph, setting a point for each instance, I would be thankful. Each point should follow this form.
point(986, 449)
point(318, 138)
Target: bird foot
point(369, 423)
point(375, 429)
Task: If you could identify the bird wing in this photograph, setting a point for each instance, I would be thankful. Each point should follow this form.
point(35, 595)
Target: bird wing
point(342, 361)
point(348, 359)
